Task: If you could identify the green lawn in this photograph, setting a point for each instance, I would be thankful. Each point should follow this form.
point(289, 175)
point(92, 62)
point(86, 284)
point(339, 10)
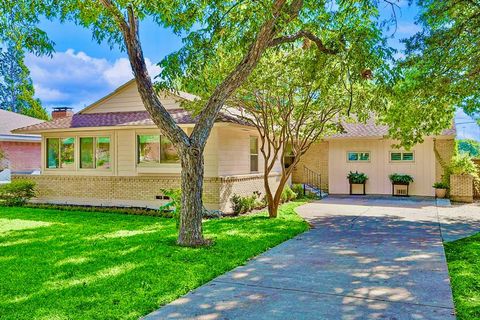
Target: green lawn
point(463, 258)
point(82, 265)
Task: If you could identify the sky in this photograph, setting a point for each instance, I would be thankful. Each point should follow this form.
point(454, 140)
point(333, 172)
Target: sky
point(82, 71)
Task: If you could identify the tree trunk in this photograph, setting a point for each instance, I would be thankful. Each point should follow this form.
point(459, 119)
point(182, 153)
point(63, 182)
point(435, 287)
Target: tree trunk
point(190, 227)
point(275, 203)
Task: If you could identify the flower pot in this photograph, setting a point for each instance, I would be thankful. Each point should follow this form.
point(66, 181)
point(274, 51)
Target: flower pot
point(440, 193)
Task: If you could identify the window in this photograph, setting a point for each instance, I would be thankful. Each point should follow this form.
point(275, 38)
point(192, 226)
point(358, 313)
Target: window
point(95, 153)
point(358, 156)
point(253, 154)
point(60, 153)
point(400, 156)
point(155, 149)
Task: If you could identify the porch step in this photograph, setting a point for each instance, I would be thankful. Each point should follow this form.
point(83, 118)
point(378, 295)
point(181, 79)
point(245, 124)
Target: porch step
point(316, 191)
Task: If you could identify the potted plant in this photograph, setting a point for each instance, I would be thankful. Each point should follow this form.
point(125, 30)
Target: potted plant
point(355, 179)
point(440, 189)
point(402, 180)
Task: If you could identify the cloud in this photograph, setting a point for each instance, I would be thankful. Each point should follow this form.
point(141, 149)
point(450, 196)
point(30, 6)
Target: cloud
point(75, 79)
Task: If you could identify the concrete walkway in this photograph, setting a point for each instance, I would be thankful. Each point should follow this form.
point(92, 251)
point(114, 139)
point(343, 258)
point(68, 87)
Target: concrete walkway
point(366, 258)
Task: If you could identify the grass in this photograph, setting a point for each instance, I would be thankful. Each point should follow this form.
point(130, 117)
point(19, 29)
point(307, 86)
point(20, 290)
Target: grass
point(83, 265)
point(463, 257)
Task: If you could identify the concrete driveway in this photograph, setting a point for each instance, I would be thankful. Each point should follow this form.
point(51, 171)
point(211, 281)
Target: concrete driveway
point(365, 258)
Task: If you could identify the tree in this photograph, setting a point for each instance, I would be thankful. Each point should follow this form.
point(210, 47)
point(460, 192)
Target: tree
point(16, 88)
point(469, 147)
point(445, 55)
point(292, 105)
point(19, 33)
point(244, 30)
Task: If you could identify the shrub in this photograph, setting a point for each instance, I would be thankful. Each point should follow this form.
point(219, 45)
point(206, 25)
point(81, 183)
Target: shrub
point(440, 185)
point(17, 193)
point(401, 178)
point(248, 203)
point(298, 189)
point(174, 206)
point(288, 194)
point(357, 178)
point(462, 164)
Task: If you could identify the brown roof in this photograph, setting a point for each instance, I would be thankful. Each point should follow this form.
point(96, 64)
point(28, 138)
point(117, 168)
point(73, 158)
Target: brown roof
point(370, 129)
point(114, 119)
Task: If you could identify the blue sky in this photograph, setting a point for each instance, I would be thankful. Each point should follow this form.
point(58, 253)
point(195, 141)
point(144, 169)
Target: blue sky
point(81, 71)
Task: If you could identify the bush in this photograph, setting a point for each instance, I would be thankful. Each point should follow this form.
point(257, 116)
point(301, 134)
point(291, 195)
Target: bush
point(17, 193)
point(440, 185)
point(248, 203)
point(462, 164)
point(298, 189)
point(288, 194)
point(174, 206)
point(357, 178)
point(400, 178)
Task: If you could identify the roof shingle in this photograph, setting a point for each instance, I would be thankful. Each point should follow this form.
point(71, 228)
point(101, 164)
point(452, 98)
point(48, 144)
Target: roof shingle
point(115, 119)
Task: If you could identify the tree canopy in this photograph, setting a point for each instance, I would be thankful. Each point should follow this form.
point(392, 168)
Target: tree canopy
point(16, 88)
point(469, 146)
point(19, 33)
point(444, 57)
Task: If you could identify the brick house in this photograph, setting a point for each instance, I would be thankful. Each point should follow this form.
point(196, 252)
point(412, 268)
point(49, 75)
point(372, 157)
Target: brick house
point(22, 151)
point(111, 153)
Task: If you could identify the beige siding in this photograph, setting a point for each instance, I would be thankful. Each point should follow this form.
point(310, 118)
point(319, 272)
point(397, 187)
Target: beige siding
point(234, 152)
point(210, 154)
point(124, 154)
point(380, 167)
point(128, 99)
point(126, 144)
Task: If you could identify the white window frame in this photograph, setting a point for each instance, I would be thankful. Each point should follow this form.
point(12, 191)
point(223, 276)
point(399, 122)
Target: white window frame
point(153, 164)
point(60, 138)
point(250, 154)
point(95, 138)
point(359, 161)
point(402, 152)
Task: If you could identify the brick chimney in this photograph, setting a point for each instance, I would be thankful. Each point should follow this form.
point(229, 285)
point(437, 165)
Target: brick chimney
point(61, 112)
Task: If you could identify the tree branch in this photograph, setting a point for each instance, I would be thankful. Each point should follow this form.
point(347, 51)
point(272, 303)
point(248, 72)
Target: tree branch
point(302, 34)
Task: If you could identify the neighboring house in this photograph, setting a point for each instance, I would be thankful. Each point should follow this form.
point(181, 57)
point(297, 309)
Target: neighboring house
point(22, 151)
point(111, 153)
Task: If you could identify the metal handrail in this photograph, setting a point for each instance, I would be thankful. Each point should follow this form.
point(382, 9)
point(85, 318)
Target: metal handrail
point(312, 178)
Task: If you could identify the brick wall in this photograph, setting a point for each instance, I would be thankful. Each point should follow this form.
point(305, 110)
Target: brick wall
point(243, 186)
point(446, 149)
point(316, 159)
point(461, 188)
point(137, 191)
point(22, 156)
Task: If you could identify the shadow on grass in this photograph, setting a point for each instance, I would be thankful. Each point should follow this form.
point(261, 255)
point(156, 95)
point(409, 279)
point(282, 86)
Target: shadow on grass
point(105, 266)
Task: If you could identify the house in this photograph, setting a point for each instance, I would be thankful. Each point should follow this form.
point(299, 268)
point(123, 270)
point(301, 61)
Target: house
point(366, 148)
point(111, 153)
point(21, 151)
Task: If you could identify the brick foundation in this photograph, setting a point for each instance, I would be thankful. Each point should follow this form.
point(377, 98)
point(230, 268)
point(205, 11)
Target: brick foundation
point(138, 191)
point(461, 188)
